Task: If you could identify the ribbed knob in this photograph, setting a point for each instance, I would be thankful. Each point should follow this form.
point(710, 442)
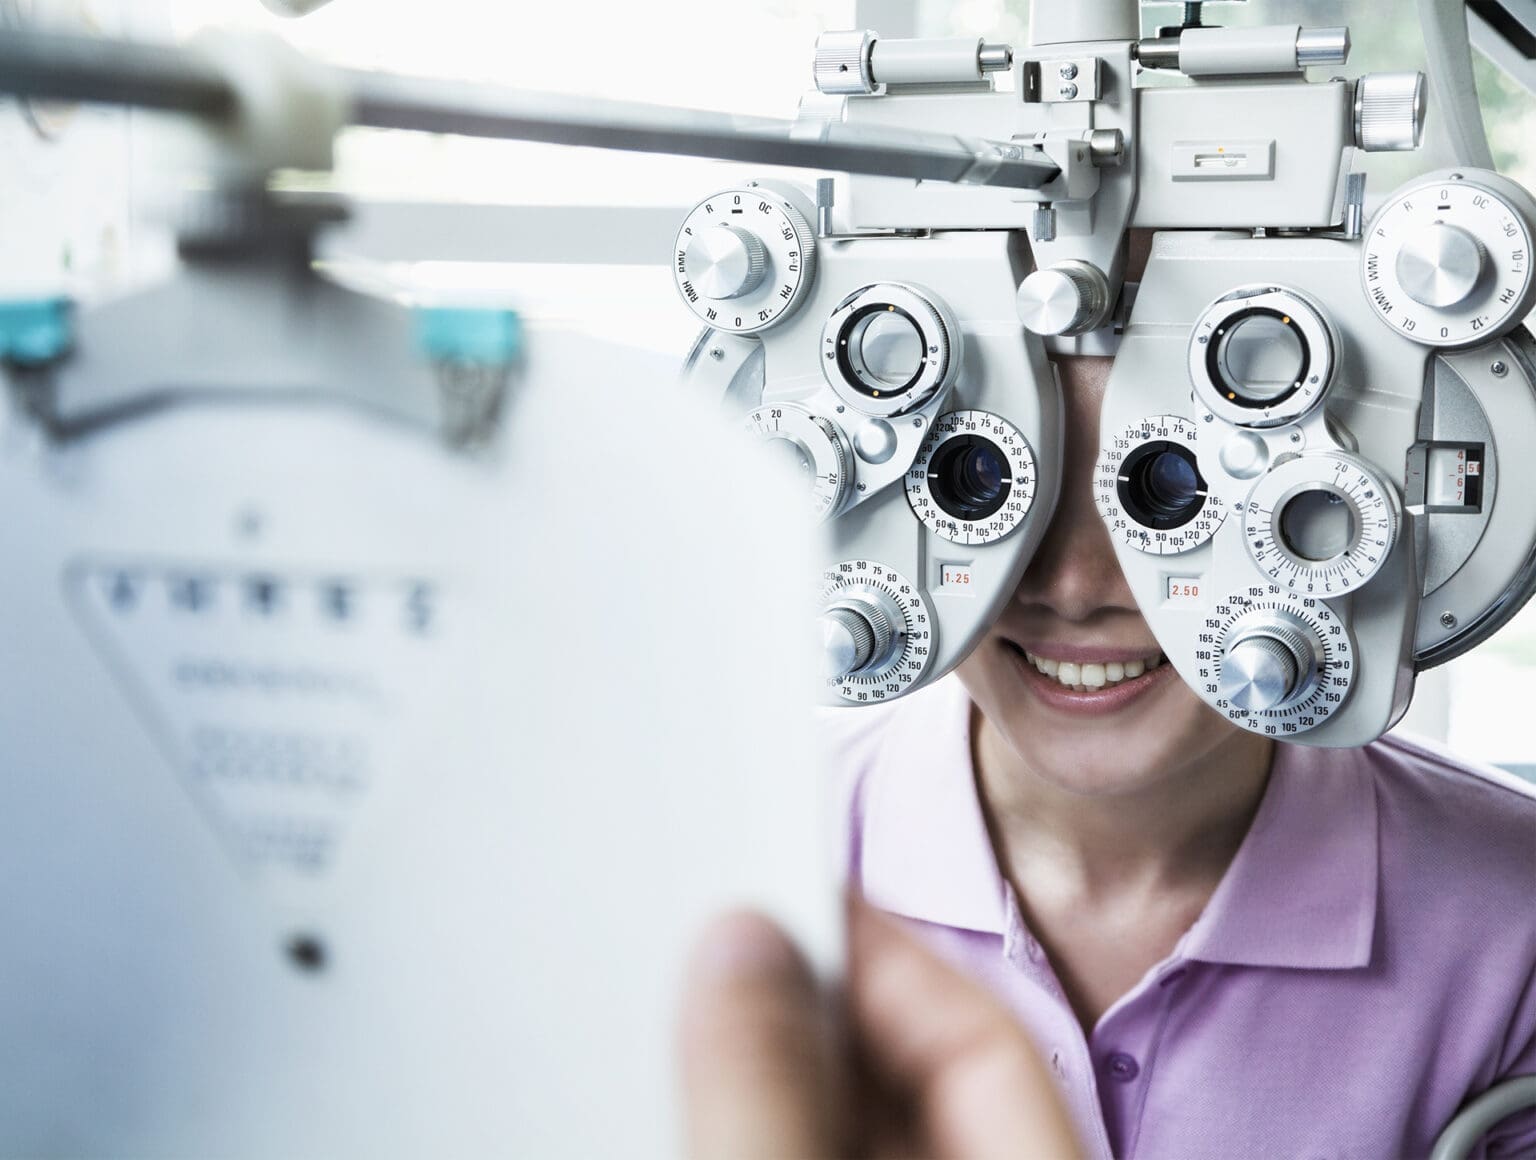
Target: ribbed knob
point(726, 262)
point(1389, 111)
point(1440, 264)
point(1265, 668)
point(842, 62)
point(1067, 298)
point(852, 636)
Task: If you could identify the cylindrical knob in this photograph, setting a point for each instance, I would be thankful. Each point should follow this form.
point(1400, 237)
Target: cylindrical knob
point(1389, 111)
point(1265, 669)
point(1067, 298)
point(1316, 46)
point(852, 637)
point(726, 262)
point(1440, 264)
point(842, 63)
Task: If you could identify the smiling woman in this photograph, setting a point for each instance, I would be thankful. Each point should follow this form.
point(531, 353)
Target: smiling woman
point(1209, 935)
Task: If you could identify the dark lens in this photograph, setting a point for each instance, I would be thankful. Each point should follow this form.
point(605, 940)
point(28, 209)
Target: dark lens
point(1160, 485)
point(969, 477)
point(1171, 483)
point(980, 475)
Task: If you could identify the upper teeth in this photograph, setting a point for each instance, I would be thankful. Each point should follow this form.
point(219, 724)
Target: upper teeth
point(1093, 676)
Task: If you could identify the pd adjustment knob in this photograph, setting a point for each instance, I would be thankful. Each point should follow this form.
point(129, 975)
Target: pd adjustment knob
point(853, 636)
point(1068, 298)
point(1265, 668)
point(1439, 265)
point(726, 262)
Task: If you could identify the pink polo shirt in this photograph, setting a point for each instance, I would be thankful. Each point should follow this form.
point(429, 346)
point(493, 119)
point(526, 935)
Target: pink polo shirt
point(1366, 966)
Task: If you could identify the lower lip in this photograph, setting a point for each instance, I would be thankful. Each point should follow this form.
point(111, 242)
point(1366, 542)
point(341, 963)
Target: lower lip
point(1089, 702)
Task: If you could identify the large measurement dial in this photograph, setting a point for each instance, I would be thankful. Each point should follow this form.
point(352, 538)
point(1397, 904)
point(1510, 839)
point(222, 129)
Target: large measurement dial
point(1447, 261)
point(889, 348)
point(973, 480)
point(1274, 663)
point(1321, 523)
point(744, 259)
point(876, 630)
point(816, 449)
point(1149, 489)
point(1261, 356)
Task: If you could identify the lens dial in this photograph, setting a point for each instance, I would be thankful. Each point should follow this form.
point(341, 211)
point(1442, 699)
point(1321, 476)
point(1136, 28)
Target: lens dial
point(1321, 523)
point(1447, 261)
point(1272, 662)
point(744, 260)
point(973, 481)
point(1149, 489)
point(888, 348)
point(1261, 356)
point(816, 450)
point(876, 631)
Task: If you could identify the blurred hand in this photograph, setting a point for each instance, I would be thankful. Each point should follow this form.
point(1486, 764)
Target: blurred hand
point(919, 1061)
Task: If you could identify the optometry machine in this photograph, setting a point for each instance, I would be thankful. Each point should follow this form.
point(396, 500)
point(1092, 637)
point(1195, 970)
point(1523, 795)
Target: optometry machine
point(1300, 466)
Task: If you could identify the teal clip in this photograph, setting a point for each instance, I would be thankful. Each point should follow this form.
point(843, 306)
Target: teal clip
point(35, 331)
point(486, 336)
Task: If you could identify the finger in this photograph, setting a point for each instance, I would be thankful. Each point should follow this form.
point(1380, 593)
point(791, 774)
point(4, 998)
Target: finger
point(979, 1085)
point(756, 1047)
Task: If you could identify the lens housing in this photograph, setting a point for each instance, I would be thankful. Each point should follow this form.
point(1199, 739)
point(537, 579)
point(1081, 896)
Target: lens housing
point(1221, 363)
point(969, 477)
point(1160, 485)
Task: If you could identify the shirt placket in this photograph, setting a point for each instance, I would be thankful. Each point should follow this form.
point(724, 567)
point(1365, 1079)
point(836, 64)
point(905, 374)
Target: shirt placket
point(1063, 1045)
point(1124, 1046)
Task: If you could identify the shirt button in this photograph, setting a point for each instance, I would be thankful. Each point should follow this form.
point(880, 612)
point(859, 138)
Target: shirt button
point(1122, 1067)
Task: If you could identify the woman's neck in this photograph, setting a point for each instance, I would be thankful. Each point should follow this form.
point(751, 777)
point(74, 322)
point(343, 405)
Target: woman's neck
point(1178, 833)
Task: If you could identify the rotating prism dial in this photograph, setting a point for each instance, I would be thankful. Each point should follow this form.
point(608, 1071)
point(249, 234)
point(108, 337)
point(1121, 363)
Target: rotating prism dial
point(876, 631)
point(816, 449)
point(744, 259)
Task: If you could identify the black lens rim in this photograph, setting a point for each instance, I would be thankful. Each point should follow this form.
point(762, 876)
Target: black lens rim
point(1135, 498)
point(845, 364)
point(1213, 361)
point(943, 472)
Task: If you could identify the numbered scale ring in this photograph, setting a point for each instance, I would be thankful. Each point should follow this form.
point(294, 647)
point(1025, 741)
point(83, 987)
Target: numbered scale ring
point(1149, 489)
point(973, 480)
point(819, 451)
point(744, 259)
point(878, 631)
point(1321, 523)
point(1275, 663)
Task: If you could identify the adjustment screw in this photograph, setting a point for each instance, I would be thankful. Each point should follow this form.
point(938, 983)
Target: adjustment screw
point(918, 422)
point(1499, 368)
point(1295, 436)
point(1447, 620)
point(1067, 92)
point(1069, 71)
point(717, 354)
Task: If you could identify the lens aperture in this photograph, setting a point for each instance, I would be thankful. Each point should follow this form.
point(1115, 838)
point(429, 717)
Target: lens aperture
point(1160, 485)
point(969, 477)
point(1258, 358)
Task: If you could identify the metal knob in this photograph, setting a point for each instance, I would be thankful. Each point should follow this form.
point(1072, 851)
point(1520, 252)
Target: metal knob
point(854, 634)
point(726, 262)
point(1266, 668)
point(843, 62)
point(1067, 298)
point(1440, 264)
point(1389, 111)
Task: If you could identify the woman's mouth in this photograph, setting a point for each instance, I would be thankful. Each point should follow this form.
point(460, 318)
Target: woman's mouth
point(1084, 679)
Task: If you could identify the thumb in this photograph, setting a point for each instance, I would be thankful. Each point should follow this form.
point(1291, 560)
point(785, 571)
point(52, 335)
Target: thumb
point(757, 1048)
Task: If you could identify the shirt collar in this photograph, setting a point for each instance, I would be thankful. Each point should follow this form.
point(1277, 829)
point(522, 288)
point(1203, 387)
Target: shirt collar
point(925, 852)
point(1301, 891)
